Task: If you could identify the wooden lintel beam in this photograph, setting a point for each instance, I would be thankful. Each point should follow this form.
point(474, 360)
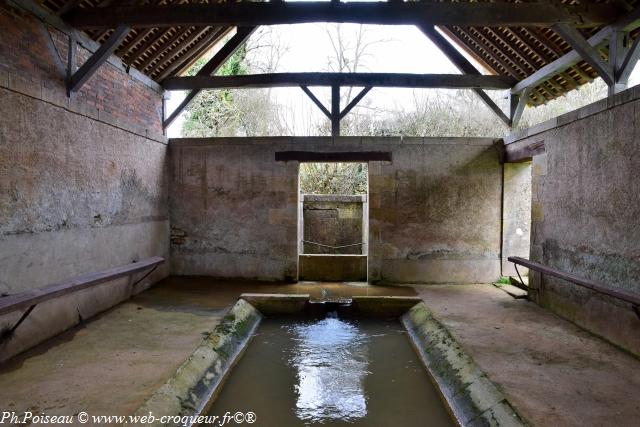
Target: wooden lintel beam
point(586, 51)
point(515, 153)
point(426, 81)
point(333, 157)
point(98, 58)
point(241, 36)
point(355, 101)
point(316, 101)
point(368, 12)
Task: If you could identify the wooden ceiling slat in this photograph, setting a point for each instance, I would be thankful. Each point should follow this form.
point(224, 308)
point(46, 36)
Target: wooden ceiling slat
point(179, 49)
point(140, 36)
point(527, 60)
point(492, 51)
point(181, 65)
point(138, 54)
point(164, 48)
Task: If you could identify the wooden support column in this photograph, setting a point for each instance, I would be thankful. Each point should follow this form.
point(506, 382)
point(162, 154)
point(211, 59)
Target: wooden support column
point(335, 110)
point(518, 102)
point(71, 59)
point(617, 53)
point(331, 114)
point(98, 58)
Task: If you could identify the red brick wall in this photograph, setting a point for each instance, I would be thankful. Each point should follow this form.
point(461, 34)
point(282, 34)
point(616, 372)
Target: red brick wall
point(37, 53)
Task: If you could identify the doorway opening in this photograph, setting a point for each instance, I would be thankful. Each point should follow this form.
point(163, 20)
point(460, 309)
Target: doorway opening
point(333, 222)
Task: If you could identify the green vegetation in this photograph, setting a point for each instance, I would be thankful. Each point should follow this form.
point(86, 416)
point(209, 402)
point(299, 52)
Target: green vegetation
point(230, 112)
point(333, 178)
point(504, 280)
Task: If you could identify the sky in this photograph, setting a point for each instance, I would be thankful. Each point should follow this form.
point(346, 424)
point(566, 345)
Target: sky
point(307, 47)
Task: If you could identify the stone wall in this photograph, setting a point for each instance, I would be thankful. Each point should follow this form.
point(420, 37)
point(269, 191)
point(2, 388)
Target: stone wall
point(82, 188)
point(586, 213)
point(516, 215)
point(333, 220)
point(434, 210)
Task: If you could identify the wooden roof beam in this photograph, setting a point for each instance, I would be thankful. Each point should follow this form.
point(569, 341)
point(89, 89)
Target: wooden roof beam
point(392, 13)
point(434, 81)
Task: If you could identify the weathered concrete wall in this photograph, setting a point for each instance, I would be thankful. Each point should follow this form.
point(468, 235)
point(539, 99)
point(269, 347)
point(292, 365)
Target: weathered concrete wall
point(434, 210)
point(333, 220)
point(434, 214)
point(516, 215)
point(81, 190)
point(586, 213)
point(233, 209)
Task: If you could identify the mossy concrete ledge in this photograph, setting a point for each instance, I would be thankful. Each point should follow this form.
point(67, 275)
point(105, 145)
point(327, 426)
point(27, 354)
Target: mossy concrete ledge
point(200, 377)
point(472, 398)
point(269, 304)
point(383, 306)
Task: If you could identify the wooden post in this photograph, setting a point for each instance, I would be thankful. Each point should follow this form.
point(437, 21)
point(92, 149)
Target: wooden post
point(335, 110)
point(71, 59)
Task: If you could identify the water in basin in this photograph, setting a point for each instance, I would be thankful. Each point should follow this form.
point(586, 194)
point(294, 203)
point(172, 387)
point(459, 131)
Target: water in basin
point(332, 372)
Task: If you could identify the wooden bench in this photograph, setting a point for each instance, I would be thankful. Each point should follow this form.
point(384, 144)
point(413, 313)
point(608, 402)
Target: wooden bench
point(585, 283)
point(27, 300)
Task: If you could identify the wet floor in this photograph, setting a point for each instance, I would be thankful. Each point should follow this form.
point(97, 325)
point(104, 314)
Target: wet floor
point(332, 372)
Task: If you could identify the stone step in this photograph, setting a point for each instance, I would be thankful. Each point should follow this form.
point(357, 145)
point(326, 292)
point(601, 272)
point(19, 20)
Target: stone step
point(514, 291)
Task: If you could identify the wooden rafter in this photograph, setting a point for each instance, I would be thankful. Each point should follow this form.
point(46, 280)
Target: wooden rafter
point(464, 66)
point(241, 36)
point(586, 51)
point(187, 59)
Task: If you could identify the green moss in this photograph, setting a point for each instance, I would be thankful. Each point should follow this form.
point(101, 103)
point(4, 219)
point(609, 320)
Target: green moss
point(504, 280)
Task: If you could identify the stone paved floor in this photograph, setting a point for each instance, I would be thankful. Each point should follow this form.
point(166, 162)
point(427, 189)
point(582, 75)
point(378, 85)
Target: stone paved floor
point(553, 372)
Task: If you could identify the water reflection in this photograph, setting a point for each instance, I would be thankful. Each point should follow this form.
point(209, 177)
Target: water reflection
point(330, 359)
